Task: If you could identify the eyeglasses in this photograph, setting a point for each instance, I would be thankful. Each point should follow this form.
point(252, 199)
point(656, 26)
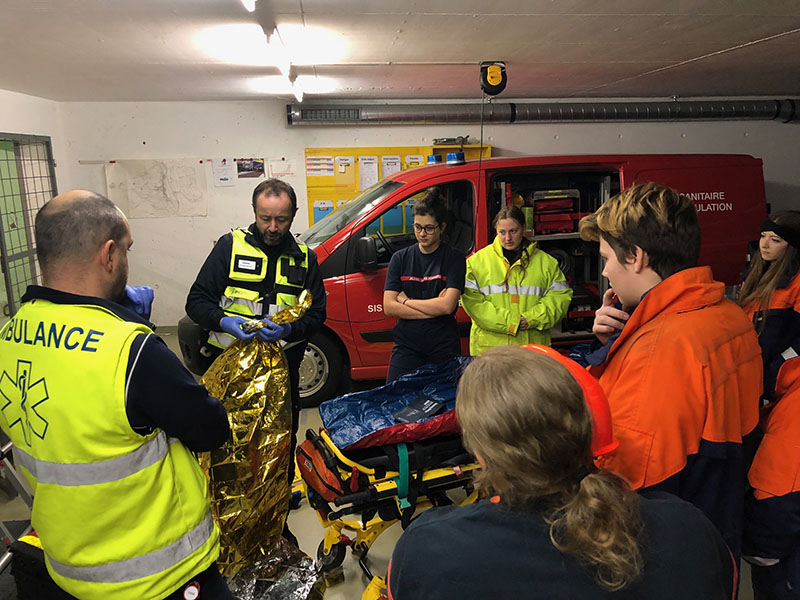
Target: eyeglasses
point(429, 229)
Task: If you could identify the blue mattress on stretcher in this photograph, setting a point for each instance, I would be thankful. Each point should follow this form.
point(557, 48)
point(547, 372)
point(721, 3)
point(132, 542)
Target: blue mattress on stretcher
point(365, 419)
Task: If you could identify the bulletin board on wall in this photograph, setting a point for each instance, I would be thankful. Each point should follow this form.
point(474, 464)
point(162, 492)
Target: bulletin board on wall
point(336, 175)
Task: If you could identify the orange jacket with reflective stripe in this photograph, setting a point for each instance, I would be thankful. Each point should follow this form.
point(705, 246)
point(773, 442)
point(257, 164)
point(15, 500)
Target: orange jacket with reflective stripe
point(685, 369)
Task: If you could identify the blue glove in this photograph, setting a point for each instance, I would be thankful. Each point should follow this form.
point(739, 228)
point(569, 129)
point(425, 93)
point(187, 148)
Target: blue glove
point(139, 298)
point(272, 332)
point(233, 326)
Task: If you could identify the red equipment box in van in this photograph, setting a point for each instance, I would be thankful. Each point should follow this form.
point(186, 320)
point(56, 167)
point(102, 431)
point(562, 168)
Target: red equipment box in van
point(354, 243)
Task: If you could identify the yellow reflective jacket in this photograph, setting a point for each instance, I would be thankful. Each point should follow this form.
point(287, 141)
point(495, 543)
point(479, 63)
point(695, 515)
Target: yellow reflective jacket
point(249, 265)
point(120, 515)
point(542, 296)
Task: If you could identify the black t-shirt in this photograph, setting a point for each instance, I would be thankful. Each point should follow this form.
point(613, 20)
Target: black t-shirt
point(512, 256)
point(486, 550)
point(421, 277)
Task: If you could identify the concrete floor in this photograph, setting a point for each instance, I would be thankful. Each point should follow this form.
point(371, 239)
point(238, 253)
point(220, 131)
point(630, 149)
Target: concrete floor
point(303, 522)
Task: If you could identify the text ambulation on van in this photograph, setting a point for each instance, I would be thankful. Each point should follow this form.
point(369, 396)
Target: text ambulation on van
point(354, 243)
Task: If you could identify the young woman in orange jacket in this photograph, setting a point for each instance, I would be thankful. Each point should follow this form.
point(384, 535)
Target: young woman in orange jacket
point(771, 297)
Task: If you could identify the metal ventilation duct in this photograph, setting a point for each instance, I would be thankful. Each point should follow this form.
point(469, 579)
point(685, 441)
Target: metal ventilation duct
point(552, 112)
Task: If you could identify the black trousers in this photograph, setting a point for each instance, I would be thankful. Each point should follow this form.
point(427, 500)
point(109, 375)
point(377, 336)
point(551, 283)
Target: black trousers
point(294, 356)
point(407, 357)
point(210, 584)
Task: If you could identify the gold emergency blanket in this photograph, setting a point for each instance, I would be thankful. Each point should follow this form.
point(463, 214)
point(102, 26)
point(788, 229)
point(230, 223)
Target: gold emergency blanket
point(248, 475)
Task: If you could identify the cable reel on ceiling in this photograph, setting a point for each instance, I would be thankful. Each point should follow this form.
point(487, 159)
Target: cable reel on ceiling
point(493, 77)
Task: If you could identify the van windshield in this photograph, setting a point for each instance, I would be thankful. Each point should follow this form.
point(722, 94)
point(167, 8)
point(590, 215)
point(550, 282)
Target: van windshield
point(325, 228)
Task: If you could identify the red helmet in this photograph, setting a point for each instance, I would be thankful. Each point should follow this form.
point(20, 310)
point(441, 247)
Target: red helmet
point(603, 441)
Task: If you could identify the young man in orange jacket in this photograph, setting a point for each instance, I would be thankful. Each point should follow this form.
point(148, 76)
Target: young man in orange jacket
point(772, 527)
point(680, 363)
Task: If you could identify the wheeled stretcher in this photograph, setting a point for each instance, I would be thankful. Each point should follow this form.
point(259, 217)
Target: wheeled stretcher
point(366, 491)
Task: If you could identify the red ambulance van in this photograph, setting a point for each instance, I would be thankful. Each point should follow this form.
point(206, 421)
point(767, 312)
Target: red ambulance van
point(354, 244)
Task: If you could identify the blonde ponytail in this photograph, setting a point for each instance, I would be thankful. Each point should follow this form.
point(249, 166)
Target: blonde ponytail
point(601, 525)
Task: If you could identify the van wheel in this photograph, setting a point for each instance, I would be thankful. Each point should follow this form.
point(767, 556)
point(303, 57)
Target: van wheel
point(321, 371)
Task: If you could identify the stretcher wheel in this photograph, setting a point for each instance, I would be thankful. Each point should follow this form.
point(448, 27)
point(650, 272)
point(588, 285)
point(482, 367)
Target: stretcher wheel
point(334, 558)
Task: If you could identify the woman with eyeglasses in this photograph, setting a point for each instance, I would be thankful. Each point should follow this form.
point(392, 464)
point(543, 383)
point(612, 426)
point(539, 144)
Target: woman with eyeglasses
point(514, 292)
point(549, 524)
point(770, 295)
point(423, 285)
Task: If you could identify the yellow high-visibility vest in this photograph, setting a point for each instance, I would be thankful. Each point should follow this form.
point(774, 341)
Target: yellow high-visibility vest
point(119, 515)
point(248, 265)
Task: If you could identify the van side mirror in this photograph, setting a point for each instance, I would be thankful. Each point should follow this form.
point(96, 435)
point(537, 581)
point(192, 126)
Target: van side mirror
point(366, 254)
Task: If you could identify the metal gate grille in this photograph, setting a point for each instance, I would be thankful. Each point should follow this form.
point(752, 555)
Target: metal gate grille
point(27, 182)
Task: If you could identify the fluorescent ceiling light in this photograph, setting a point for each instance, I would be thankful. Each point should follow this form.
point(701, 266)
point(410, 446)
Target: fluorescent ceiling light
point(250, 5)
point(246, 44)
point(276, 84)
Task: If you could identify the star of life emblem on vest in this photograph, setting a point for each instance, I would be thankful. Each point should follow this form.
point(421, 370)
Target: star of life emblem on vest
point(21, 399)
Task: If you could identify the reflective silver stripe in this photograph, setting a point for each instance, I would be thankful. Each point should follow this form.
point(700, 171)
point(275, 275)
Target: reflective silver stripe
point(254, 307)
point(526, 290)
point(141, 566)
point(113, 469)
point(220, 338)
point(520, 290)
point(762, 562)
point(558, 285)
point(789, 353)
point(492, 289)
point(471, 285)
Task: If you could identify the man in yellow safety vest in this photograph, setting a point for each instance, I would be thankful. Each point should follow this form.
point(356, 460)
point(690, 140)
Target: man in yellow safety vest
point(104, 419)
point(253, 273)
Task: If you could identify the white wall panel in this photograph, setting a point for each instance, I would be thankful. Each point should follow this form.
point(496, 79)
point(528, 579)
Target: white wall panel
point(168, 252)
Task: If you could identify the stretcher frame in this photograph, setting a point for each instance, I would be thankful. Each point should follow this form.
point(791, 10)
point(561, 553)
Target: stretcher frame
point(382, 501)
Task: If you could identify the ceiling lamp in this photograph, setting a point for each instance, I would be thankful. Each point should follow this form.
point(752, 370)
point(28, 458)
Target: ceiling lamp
point(250, 5)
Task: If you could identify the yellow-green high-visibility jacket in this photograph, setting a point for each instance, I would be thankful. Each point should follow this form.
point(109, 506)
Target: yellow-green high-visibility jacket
point(542, 296)
point(249, 266)
point(120, 515)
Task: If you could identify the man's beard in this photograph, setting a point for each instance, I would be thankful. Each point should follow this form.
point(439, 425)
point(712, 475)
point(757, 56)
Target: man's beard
point(272, 240)
point(118, 287)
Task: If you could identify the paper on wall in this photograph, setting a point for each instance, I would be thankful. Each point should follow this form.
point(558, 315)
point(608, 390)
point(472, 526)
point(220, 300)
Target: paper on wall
point(158, 188)
point(390, 164)
point(224, 170)
point(367, 171)
point(282, 168)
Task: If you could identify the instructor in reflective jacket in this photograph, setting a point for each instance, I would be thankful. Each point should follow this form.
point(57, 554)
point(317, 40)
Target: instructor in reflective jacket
point(104, 419)
point(253, 273)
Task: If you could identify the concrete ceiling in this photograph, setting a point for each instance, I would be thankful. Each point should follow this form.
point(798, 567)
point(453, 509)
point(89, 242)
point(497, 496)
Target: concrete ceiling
point(138, 50)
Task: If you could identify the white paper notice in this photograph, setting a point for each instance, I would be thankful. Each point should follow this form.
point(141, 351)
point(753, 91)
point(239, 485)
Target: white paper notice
point(281, 168)
point(390, 164)
point(367, 171)
point(224, 170)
